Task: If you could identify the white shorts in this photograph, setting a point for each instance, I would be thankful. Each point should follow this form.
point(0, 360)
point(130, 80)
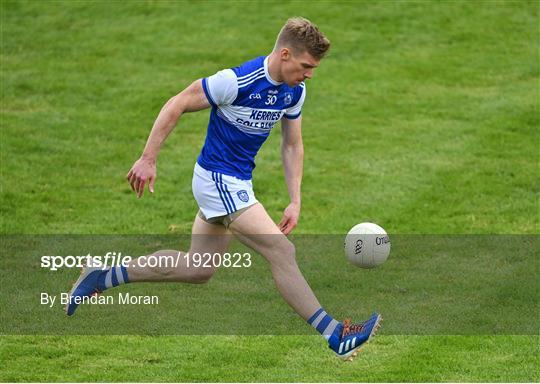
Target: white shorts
point(220, 195)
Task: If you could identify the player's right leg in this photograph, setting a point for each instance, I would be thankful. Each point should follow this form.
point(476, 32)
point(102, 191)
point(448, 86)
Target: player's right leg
point(206, 238)
point(176, 266)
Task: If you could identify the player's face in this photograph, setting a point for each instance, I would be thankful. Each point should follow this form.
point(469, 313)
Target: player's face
point(297, 67)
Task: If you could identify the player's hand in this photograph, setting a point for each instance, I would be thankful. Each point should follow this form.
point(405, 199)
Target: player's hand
point(290, 218)
point(143, 172)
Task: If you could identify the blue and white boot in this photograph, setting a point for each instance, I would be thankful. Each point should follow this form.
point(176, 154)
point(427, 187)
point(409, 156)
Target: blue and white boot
point(348, 338)
point(85, 286)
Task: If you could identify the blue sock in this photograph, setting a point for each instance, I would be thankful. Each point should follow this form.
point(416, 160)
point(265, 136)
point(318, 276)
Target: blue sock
point(113, 277)
point(323, 323)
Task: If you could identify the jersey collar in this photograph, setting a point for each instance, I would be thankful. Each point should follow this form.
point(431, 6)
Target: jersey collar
point(267, 73)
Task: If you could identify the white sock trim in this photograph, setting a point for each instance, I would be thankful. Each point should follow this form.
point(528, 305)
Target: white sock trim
point(330, 329)
point(108, 279)
point(318, 319)
point(119, 275)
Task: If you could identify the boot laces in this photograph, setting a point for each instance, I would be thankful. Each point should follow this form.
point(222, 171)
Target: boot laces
point(349, 328)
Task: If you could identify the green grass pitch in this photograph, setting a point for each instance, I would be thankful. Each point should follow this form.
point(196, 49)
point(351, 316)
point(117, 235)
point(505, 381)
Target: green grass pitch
point(424, 118)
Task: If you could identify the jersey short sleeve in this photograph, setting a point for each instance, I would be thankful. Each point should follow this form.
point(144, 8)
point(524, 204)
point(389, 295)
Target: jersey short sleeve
point(295, 111)
point(221, 88)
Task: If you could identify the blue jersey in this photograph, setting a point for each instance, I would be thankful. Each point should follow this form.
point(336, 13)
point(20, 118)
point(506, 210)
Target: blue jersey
point(246, 104)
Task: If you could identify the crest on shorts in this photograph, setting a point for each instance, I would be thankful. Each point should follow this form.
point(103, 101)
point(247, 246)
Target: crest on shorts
point(288, 98)
point(243, 196)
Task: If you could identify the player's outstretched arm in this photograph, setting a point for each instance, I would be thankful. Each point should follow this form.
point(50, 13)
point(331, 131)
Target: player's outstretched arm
point(292, 155)
point(191, 99)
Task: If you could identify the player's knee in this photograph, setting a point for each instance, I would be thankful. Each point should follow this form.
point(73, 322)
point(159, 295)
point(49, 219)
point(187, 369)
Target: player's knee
point(284, 253)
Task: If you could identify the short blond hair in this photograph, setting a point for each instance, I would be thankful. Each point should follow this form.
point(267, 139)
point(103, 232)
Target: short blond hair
point(302, 35)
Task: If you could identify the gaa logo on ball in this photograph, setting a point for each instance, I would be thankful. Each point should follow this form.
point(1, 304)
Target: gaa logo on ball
point(367, 245)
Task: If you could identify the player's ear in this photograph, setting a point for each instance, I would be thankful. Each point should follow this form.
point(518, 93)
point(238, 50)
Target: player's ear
point(285, 54)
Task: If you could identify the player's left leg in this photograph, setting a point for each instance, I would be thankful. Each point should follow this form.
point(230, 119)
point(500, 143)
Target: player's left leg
point(256, 229)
